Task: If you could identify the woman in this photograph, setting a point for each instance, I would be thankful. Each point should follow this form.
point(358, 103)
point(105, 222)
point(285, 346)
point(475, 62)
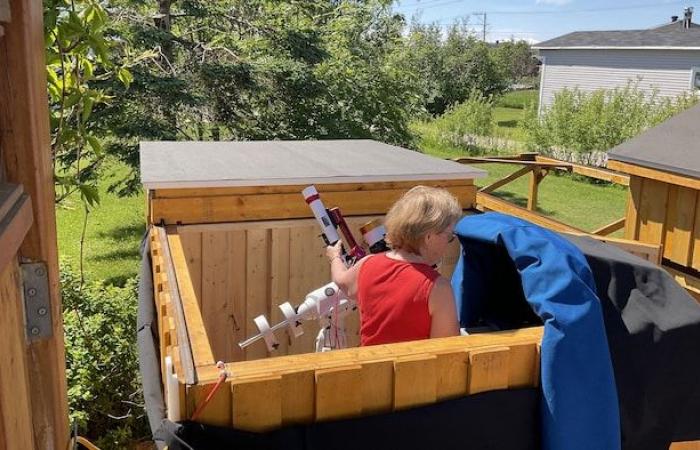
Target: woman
point(401, 296)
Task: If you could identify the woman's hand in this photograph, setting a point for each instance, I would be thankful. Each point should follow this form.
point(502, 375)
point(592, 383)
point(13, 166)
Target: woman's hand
point(334, 251)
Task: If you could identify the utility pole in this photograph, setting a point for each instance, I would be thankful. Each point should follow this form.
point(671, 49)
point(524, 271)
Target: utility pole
point(483, 23)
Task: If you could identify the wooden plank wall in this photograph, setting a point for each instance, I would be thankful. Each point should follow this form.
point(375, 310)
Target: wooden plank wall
point(167, 331)
point(241, 270)
point(665, 214)
point(15, 406)
point(270, 393)
point(235, 204)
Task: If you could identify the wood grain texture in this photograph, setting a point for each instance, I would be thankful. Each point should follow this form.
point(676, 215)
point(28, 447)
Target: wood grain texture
point(633, 204)
point(415, 381)
point(252, 207)
point(338, 392)
point(25, 141)
point(257, 404)
point(15, 392)
point(488, 369)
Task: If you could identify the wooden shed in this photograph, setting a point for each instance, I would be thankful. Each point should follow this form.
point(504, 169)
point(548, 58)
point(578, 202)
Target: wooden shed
point(232, 238)
point(664, 206)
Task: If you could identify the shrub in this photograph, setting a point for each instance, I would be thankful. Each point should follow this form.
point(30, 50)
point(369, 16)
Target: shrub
point(101, 361)
point(474, 116)
point(600, 120)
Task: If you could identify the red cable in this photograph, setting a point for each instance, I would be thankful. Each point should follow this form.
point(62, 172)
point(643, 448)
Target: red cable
point(210, 395)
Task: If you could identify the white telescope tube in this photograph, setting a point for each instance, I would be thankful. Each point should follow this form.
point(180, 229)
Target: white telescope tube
point(314, 201)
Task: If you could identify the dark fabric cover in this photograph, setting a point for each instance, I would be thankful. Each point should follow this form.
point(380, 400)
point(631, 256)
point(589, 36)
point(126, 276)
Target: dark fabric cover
point(653, 328)
point(147, 341)
point(579, 399)
point(498, 420)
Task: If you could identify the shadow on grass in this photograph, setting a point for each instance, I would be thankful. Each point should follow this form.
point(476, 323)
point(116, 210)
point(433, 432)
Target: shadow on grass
point(508, 123)
point(123, 232)
point(127, 253)
point(118, 280)
point(520, 201)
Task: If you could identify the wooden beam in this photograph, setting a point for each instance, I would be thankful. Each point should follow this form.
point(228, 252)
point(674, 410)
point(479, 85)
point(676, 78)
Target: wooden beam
point(14, 226)
point(505, 180)
point(612, 227)
point(654, 174)
point(15, 388)
point(519, 157)
point(183, 335)
point(190, 327)
point(533, 190)
point(254, 207)
point(475, 160)
point(488, 202)
point(297, 188)
point(24, 136)
point(593, 172)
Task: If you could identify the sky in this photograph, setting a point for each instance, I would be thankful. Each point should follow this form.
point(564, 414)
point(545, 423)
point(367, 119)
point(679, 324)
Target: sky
point(539, 20)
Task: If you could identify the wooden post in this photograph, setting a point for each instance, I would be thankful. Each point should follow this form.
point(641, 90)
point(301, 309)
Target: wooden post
point(26, 155)
point(535, 179)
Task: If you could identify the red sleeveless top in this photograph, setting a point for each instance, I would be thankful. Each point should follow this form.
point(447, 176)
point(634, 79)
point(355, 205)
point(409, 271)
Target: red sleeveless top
point(393, 298)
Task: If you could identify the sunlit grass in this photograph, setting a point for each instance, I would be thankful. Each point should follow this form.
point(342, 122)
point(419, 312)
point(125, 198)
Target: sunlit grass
point(113, 233)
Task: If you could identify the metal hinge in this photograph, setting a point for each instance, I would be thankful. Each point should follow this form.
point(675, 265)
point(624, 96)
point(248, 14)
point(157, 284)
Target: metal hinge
point(37, 308)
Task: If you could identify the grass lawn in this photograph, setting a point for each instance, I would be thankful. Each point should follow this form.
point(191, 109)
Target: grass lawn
point(509, 111)
point(508, 123)
point(563, 197)
point(113, 233)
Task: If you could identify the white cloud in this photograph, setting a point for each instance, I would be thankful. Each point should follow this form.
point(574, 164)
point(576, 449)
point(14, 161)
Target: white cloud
point(553, 2)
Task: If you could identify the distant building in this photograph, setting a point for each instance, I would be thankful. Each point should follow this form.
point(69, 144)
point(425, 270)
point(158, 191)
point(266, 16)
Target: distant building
point(665, 59)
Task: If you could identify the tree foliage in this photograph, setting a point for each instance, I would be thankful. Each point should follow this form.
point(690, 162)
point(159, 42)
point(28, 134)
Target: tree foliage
point(449, 66)
point(78, 58)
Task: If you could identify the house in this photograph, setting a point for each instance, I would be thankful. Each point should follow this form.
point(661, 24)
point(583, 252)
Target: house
point(664, 59)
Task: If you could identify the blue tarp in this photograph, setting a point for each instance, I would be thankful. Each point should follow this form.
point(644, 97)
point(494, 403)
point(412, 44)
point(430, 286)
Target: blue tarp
point(579, 399)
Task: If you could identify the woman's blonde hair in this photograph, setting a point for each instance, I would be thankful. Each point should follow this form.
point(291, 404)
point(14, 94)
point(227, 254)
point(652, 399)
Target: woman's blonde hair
point(419, 211)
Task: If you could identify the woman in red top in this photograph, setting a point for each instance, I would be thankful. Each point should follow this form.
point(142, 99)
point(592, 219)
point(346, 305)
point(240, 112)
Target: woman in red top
point(400, 295)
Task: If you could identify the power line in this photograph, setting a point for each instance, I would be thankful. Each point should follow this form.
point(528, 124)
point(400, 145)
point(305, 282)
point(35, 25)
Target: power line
point(561, 11)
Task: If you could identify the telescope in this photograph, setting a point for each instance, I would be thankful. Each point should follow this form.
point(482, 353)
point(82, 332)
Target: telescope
point(327, 304)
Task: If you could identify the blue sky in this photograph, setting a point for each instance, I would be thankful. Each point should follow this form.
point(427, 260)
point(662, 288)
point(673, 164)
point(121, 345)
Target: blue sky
point(538, 20)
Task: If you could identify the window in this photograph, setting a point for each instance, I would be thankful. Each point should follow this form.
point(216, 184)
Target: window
point(695, 78)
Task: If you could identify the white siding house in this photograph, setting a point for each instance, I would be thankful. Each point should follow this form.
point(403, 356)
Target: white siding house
point(665, 60)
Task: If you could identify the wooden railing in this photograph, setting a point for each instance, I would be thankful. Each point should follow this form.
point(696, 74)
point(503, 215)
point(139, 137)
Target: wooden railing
point(538, 167)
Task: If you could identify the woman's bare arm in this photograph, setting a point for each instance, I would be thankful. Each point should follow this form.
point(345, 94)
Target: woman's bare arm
point(344, 277)
point(443, 311)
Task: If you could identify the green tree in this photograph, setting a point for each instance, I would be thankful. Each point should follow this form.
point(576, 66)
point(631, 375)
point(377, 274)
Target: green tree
point(515, 60)
point(254, 69)
point(449, 66)
point(78, 60)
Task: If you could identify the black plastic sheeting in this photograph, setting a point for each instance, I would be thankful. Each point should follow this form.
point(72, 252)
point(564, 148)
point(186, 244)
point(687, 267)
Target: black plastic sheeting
point(486, 421)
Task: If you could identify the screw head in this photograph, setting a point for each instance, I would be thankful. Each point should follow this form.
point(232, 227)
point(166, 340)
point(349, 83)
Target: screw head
point(31, 292)
point(39, 272)
point(42, 311)
point(35, 331)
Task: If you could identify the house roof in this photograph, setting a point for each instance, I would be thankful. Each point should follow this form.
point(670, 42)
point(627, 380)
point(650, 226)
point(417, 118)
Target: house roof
point(669, 36)
point(673, 146)
point(166, 165)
